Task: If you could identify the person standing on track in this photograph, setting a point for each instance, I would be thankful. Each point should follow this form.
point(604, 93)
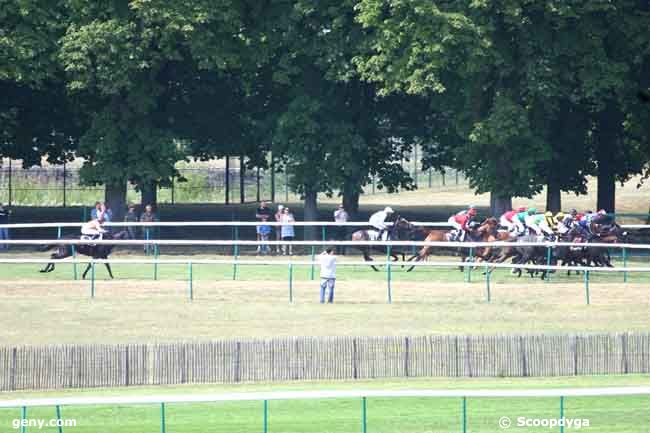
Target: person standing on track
point(278, 229)
point(327, 274)
point(341, 217)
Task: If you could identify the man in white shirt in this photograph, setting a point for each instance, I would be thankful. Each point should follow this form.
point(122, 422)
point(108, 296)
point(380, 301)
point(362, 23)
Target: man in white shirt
point(327, 274)
point(341, 217)
point(378, 221)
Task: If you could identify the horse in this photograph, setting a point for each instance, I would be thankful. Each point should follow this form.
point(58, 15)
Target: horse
point(395, 233)
point(486, 232)
point(101, 251)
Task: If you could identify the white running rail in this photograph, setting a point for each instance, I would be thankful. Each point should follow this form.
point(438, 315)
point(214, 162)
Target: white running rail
point(311, 395)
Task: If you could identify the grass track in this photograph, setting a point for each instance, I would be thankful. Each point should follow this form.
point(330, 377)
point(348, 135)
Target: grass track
point(412, 415)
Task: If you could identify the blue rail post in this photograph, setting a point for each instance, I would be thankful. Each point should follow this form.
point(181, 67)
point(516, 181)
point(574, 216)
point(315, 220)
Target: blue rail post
point(58, 419)
point(190, 287)
point(92, 279)
point(625, 264)
point(290, 282)
point(266, 416)
point(58, 232)
point(146, 238)
point(364, 415)
point(587, 287)
point(487, 282)
point(162, 418)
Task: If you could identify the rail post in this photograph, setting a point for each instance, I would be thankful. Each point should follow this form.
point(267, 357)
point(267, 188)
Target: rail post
point(235, 253)
point(266, 416)
point(468, 268)
point(58, 419)
point(92, 279)
point(155, 263)
point(464, 422)
point(58, 232)
point(548, 263)
point(290, 283)
point(587, 287)
point(388, 275)
point(190, 293)
point(313, 258)
point(561, 413)
point(324, 233)
point(162, 418)
point(624, 264)
point(23, 418)
point(74, 264)
point(487, 282)
point(364, 415)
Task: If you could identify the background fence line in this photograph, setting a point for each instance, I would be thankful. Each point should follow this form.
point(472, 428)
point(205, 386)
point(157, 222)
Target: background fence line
point(321, 358)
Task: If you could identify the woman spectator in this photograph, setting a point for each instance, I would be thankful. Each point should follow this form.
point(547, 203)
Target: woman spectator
point(278, 231)
point(287, 229)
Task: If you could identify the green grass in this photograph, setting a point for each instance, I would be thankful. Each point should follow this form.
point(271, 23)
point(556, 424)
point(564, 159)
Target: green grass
point(389, 415)
point(52, 308)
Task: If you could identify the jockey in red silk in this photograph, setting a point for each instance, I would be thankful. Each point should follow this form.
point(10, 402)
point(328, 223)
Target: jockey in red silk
point(460, 222)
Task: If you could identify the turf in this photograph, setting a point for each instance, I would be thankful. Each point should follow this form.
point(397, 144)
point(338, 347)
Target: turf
point(416, 415)
point(52, 308)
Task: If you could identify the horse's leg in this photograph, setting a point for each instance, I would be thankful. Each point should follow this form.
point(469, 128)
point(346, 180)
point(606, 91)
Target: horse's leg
point(108, 268)
point(83, 276)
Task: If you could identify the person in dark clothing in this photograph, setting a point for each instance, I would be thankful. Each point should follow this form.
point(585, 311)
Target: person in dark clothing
point(4, 232)
point(263, 215)
point(131, 217)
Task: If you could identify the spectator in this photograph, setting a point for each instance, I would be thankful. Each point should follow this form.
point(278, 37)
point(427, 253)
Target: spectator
point(148, 216)
point(94, 214)
point(264, 231)
point(341, 216)
point(131, 217)
point(287, 230)
point(278, 231)
point(327, 274)
point(263, 214)
point(106, 216)
point(4, 232)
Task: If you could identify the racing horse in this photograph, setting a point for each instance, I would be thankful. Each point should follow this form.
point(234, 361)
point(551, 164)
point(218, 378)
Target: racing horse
point(401, 229)
point(484, 232)
point(96, 251)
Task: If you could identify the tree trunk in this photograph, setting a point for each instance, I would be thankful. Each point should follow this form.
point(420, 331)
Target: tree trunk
point(553, 196)
point(242, 180)
point(149, 194)
point(311, 213)
point(351, 193)
point(606, 186)
point(115, 198)
point(608, 143)
point(499, 205)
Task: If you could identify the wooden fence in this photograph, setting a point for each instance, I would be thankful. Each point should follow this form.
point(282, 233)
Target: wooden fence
point(318, 358)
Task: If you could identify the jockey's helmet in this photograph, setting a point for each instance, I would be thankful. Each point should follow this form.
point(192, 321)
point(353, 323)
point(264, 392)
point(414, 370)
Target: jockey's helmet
point(472, 206)
point(521, 209)
point(548, 214)
point(559, 216)
point(532, 211)
point(388, 209)
point(574, 212)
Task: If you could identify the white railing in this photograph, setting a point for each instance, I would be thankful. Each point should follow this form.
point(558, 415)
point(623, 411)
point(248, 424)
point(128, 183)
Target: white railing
point(241, 224)
point(378, 244)
point(312, 395)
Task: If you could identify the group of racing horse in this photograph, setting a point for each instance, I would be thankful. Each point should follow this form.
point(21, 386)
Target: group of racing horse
point(569, 228)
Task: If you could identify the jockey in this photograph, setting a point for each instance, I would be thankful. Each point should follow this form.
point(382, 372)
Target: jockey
point(378, 221)
point(550, 221)
point(460, 222)
point(601, 219)
point(563, 223)
point(520, 220)
point(93, 229)
point(537, 224)
point(508, 219)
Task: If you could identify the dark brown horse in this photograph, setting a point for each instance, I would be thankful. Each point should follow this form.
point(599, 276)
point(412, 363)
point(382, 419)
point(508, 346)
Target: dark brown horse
point(99, 251)
point(400, 230)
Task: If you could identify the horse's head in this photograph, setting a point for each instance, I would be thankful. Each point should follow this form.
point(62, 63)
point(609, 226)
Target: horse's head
point(119, 236)
point(488, 226)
